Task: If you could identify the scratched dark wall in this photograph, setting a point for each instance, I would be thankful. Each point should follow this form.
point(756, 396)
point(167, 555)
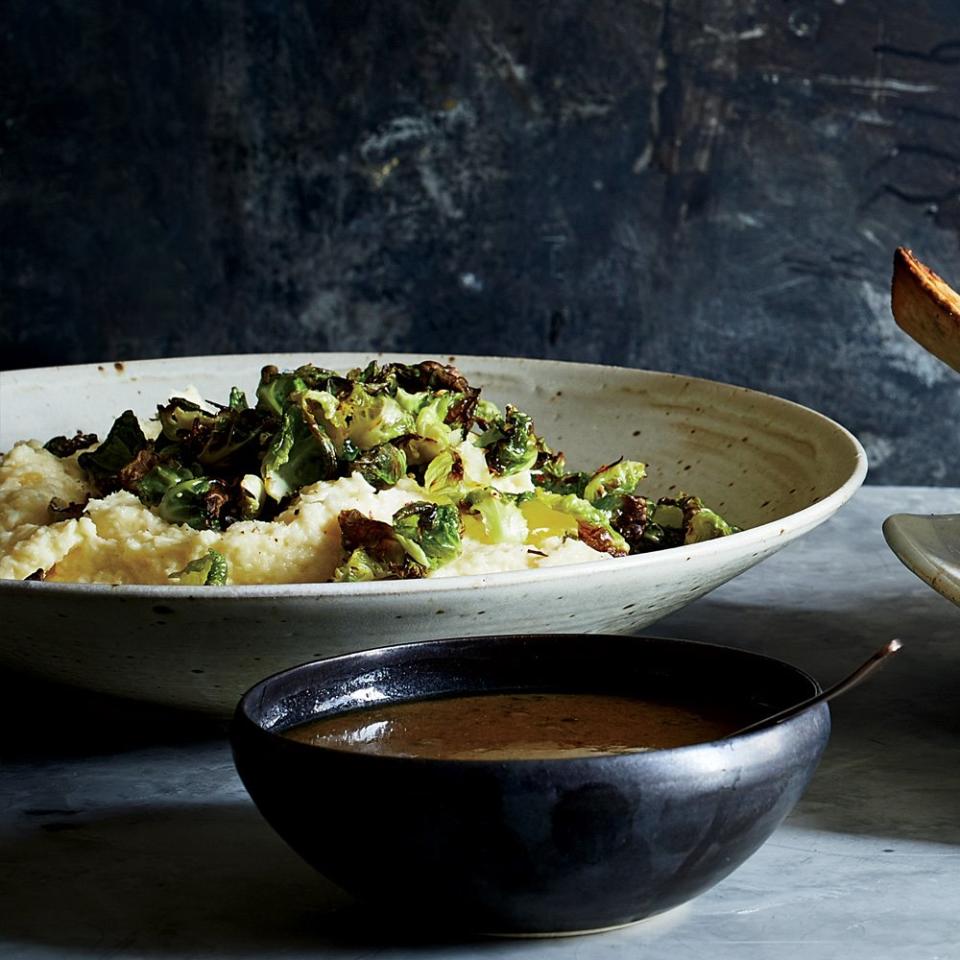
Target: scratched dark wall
point(707, 187)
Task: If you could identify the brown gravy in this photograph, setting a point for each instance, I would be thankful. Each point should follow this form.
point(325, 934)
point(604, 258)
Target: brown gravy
point(518, 726)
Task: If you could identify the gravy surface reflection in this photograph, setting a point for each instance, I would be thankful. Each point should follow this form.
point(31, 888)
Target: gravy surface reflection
point(520, 726)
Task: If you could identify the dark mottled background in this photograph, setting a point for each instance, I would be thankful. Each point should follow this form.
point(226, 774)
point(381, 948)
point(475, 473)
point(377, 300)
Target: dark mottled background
point(710, 187)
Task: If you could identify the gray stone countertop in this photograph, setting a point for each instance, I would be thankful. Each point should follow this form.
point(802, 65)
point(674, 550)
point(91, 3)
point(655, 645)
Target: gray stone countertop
point(125, 832)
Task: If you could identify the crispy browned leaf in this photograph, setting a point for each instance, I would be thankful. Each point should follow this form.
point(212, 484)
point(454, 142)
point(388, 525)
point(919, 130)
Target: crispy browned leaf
point(130, 475)
point(62, 510)
point(593, 535)
point(631, 520)
point(441, 376)
point(374, 536)
point(214, 501)
point(68, 446)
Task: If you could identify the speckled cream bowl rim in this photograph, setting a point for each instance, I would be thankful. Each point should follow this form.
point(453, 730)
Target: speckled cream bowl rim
point(739, 543)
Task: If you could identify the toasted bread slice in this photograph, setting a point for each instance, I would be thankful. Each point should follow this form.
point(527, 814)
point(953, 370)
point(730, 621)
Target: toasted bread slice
point(926, 307)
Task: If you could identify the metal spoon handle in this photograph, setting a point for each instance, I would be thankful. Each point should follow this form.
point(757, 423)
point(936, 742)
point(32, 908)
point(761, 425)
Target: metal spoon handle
point(842, 686)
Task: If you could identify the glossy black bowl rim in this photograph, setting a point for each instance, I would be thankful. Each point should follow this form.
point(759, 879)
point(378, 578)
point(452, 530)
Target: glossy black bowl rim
point(243, 722)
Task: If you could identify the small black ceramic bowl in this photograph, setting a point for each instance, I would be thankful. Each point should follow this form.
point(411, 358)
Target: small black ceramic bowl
point(530, 846)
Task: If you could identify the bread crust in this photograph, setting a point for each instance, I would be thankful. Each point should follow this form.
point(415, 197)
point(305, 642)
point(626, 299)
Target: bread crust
point(926, 306)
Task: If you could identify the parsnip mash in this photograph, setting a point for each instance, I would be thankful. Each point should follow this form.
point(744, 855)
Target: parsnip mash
point(383, 473)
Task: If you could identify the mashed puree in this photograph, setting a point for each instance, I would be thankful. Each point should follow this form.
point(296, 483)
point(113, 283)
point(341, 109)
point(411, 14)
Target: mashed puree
point(120, 540)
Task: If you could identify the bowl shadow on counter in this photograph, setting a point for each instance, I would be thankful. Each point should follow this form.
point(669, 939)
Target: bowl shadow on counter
point(171, 880)
point(890, 769)
point(54, 721)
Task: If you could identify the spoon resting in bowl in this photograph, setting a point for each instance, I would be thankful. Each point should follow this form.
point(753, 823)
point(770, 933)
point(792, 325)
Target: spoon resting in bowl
point(842, 686)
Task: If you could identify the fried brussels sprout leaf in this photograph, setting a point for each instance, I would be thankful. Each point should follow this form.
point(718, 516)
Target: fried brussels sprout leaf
point(321, 412)
point(374, 419)
point(432, 421)
point(360, 567)
point(196, 501)
point(381, 466)
point(374, 552)
point(568, 484)
point(593, 524)
point(179, 418)
point(443, 478)
point(426, 375)
point(275, 389)
point(296, 457)
point(503, 521)
point(209, 570)
point(124, 441)
point(152, 488)
point(252, 496)
point(668, 522)
point(360, 421)
point(701, 523)
point(218, 440)
point(181, 496)
point(623, 476)
point(511, 445)
point(429, 532)
point(233, 437)
point(422, 537)
point(68, 446)
point(67, 510)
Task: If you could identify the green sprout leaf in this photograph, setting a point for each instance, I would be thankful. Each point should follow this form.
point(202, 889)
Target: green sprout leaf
point(374, 552)
point(252, 496)
point(374, 419)
point(429, 532)
point(209, 570)
point(594, 525)
point(194, 501)
point(296, 457)
point(622, 476)
point(511, 445)
point(503, 522)
point(153, 487)
point(124, 441)
point(275, 389)
point(179, 418)
point(381, 466)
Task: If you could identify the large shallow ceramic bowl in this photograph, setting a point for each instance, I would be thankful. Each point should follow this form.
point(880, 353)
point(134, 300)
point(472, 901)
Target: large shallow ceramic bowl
point(929, 545)
point(531, 846)
point(772, 467)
